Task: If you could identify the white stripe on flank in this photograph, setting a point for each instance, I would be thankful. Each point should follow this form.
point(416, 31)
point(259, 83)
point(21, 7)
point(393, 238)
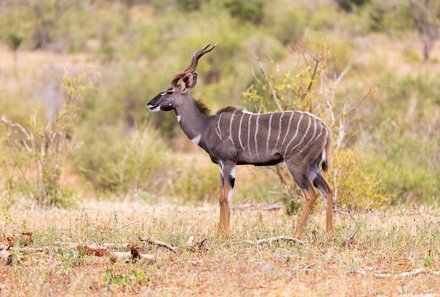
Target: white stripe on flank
point(312, 139)
point(294, 136)
point(288, 127)
point(217, 129)
point(230, 127)
point(279, 129)
point(249, 135)
point(304, 135)
point(255, 137)
point(268, 134)
point(239, 131)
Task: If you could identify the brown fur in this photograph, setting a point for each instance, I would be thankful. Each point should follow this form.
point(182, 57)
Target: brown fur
point(228, 109)
point(202, 107)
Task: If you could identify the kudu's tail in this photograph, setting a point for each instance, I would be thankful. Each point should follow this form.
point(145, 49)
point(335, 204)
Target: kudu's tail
point(326, 154)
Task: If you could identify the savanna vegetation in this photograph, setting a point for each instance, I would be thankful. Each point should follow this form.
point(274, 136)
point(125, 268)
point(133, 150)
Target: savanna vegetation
point(76, 138)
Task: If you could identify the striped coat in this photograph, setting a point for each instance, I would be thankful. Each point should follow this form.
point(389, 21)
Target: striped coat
point(267, 139)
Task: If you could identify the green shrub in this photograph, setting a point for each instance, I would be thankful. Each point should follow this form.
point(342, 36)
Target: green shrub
point(356, 186)
point(246, 10)
point(349, 5)
point(386, 16)
point(189, 5)
point(119, 161)
point(195, 182)
point(289, 27)
point(38, 151)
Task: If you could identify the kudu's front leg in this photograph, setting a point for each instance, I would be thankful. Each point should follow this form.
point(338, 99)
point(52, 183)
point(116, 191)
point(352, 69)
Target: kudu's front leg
point(227, 181)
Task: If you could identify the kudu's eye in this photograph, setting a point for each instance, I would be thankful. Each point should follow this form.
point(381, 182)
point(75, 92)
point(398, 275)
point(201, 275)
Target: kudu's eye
point(170, 91)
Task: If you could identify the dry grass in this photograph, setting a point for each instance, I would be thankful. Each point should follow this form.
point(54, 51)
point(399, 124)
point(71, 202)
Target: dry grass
point(391, 241)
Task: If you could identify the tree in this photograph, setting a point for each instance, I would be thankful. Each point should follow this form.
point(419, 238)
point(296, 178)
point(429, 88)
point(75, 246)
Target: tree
point(426, 15)
point(14, 42)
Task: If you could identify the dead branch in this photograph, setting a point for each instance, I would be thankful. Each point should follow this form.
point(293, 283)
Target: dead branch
point(134, 254)
point(272, 240)
point(165, 245)
point(270, 84)
point(128, 224)
point(119, 256)
point(92, 250)
point(312, 79)
point(252, 206)
point(391, 275)
point(190, 241)
point(403, 274)
point(13, 125)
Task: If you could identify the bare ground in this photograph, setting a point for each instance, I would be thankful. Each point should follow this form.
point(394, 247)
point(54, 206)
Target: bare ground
point(389, 241)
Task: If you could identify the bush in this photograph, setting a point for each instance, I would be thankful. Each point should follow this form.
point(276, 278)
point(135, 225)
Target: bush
point(189, 5)
point(349, 5)
point(356, 186)
point(246, 10)
point(120, 161)
point(37, 153)
point(194, 181)
point(289, 27)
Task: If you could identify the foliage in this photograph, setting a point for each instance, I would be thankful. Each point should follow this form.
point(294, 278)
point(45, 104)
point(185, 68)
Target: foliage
point(354, 185)
point(426, 15)
point(137, 45)
point(14, 40)
point(121, 162)
point(189, 5)
point(195, 182)
point(45, 146)
point(246, 10)
point(309, 91)
point(349, 5)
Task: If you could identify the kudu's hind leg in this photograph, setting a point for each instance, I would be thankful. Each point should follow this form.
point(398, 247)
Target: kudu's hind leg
point(227, 181)
point(305, 185)
point(321, 184)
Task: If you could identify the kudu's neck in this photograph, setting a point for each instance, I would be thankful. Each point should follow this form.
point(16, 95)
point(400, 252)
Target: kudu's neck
point(191, 119)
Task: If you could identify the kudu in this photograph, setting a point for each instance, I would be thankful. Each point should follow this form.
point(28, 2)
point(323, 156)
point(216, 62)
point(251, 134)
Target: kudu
point(233, 137)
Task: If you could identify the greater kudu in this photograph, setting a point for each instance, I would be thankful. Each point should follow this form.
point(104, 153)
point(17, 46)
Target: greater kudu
point(233, 137)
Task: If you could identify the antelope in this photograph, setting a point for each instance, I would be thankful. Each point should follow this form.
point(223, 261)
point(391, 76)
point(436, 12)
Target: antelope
point(233, 136)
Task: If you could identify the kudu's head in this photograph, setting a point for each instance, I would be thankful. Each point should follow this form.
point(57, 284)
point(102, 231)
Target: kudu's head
point(177, 93)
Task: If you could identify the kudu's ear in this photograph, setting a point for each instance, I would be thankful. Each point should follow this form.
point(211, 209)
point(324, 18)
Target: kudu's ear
point(189, 81)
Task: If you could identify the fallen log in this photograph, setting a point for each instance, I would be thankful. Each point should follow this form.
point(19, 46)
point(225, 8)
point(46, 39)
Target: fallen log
point(158, 243)
point(272, 240)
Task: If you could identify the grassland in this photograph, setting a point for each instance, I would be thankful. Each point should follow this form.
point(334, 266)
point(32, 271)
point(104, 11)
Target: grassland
point(391, 241)
point(124, 172)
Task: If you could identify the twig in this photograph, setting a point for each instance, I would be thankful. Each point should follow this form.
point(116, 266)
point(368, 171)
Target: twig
point(403, 274)
point(271, 240)
point(148, 240)
point(128, 224)
point(312, 79)
point(396, 275)
point(269, 82)
point(270, 207)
